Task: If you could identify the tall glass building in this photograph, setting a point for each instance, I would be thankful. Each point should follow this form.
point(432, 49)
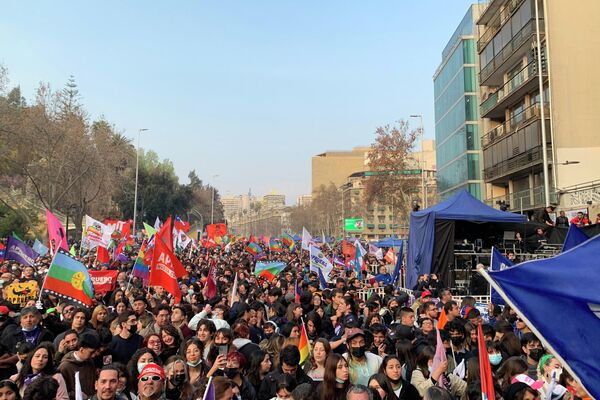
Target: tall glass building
point(456, 89)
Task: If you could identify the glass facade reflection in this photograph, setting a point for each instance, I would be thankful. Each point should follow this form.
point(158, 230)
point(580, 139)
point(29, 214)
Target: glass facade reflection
point(456, 91)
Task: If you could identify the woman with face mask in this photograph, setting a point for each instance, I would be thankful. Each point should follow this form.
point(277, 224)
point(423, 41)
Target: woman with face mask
point(550, 371)
point(234, 370)
point(177, 385)
point(392, 369)
point(336, 380)
point(138, 361)
point(425, 376)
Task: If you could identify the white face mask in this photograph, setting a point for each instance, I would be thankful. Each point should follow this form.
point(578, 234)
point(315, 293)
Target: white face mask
point(140, 367)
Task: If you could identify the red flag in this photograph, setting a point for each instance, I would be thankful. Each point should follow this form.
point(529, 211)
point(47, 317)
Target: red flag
point(390, 256)
point(485, 369)
point(214, 230)
point(181, 225)
point(56, 233)
point(252, 239)
point(102, 256)
point(104, 281)
point(165, 270)
point(211, 283)
point(166, 234)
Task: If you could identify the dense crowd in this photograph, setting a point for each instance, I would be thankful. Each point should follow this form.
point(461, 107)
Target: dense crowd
point(136, 343)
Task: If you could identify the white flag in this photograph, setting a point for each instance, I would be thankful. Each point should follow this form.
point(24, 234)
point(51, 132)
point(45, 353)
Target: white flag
point(78, 391)
point(460, 370)
point(96, 233)
point(307, 239)
point(233, 290)
point(318, 261)
point(157, 224)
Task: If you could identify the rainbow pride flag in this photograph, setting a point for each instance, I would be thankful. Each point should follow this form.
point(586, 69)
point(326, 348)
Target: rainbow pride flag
point(140, 269)
point(269, 270)
point(303, 345)
point(288, 241)
point(69, 278)
point(275, 246)
point(297, 293)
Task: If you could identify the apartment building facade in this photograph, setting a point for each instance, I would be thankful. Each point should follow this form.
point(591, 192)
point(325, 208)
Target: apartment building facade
point(539, 97)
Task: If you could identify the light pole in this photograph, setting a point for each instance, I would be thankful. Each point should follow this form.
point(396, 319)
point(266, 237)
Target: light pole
point(422, 162)
point(137, 167)
point(212, 203)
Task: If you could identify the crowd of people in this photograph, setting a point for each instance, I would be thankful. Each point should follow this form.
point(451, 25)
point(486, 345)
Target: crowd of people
point(137, 343)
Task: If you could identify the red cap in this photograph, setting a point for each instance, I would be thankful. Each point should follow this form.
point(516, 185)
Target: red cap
point(4, 310)
point(152, 369)
point(426, 293)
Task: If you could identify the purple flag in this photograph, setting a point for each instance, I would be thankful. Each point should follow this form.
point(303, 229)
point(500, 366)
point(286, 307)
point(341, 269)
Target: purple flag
point(20, 252)
point(209, 393)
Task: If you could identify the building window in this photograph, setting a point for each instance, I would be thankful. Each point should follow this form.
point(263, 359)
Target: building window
point(473, 165)
point(472, 132)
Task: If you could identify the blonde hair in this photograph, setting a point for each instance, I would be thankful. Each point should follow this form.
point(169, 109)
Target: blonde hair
point(94, 320)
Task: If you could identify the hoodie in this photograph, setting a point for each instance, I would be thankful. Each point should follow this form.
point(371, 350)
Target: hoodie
point(87, 374)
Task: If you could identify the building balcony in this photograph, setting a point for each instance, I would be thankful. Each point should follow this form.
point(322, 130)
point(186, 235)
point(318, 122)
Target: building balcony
point(524, 200)
point(513, 125)
point(489, 11)
point(370, 226)
point(381, 226)
point(492, 73)
point(511, 92)
point(497, 22)
point(515, 164)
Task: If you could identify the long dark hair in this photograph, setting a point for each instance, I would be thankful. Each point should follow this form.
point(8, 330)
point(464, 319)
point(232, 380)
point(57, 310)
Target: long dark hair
point(48, 370)
point(255, 359)
point(385, 384)
point(312, 364)
point(12, 386)
point(329, 386)
point(423, 360)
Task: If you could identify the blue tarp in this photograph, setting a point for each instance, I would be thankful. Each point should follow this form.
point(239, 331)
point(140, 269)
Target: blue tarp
point(391, 241)
point(461, 206)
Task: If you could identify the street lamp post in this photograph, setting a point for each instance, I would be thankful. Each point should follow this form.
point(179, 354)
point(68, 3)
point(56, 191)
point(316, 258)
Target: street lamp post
point(212, 203)
point(137, 165)
point(422, 160)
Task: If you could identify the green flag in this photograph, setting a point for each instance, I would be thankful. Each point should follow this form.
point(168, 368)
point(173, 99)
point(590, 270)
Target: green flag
point(73, 252)
point(149, 229)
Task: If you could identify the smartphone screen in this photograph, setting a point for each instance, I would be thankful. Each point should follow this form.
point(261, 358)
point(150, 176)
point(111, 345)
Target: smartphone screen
point(222, 350)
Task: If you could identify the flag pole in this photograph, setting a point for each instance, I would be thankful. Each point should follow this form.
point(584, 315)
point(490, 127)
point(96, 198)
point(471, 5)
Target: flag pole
point(537, 333)
point(47, 273)
point(207, 388)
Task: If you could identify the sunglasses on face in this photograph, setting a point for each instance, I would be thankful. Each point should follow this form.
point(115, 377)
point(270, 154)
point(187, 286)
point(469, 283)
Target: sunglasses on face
point(153, 377)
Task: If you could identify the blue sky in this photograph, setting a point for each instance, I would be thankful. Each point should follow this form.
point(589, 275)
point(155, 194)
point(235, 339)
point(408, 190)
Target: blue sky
point(248, 90)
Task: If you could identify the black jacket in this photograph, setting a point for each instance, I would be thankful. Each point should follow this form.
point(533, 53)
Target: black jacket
point(13, 334)
point(269, 384)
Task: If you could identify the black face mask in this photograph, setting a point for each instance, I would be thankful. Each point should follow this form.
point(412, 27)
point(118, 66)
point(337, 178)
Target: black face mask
point(395, 381)
point(133, 329)
point(230, 372)
point(177, 379)
point(456, 341)
point(358, 352)
point(536, 354)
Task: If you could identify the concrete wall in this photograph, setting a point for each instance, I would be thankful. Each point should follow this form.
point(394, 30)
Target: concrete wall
point(574, 52)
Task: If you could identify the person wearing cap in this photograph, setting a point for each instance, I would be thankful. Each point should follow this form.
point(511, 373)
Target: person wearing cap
point(29, 329)
point(361, 363)
point(151, 382)
point(425, 297)
point(81, 361)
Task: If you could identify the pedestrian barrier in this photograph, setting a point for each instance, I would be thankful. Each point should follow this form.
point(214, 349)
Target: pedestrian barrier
point(364, 295)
